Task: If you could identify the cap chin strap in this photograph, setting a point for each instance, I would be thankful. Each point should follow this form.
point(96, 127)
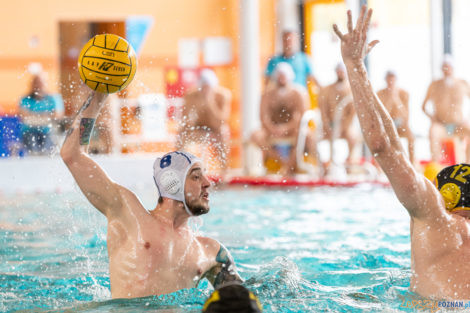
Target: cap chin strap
point(462, 208)
point(187, 209)
point(184, 194)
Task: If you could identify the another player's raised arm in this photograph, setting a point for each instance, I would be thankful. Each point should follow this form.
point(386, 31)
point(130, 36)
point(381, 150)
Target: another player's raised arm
point(92, 180)
point(415, 192)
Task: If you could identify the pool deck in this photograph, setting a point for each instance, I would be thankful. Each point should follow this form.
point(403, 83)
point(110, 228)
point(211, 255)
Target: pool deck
point(49, 174)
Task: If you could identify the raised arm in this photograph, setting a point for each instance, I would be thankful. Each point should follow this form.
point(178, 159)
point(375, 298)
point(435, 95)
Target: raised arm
point(100, 190)
point(415, 192)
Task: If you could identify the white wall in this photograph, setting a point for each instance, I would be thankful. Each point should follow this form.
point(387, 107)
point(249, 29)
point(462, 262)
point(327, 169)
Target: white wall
point(44, 174)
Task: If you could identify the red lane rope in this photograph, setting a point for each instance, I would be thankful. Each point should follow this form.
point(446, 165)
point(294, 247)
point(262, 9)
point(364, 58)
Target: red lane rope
point(290, 182)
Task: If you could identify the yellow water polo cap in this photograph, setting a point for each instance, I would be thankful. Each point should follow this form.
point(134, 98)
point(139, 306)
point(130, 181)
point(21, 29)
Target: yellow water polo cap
point(453, 182)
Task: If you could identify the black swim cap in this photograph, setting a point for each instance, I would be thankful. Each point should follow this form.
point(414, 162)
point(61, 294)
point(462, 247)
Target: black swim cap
point(232, 298)
point(453, 182)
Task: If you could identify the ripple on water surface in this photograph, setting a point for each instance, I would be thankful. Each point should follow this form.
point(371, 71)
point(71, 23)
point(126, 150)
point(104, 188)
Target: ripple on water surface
point(300, 250)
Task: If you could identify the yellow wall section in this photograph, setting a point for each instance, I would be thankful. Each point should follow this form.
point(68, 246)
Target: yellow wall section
point(22, 20)
point(392, 13)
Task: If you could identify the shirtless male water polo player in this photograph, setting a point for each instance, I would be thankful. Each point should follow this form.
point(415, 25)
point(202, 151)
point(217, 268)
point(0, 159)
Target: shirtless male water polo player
point(150, 252)
point(440, 238)
point(337, 112)
point(281, 109)
point(206, 111)
point(447, 119)
point(396, 101)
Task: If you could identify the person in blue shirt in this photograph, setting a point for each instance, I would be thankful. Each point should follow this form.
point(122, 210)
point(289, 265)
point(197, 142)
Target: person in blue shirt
point(298, 60)
point(37, 111)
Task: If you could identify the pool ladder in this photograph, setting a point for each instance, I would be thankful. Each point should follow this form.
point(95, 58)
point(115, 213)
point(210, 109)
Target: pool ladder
point(304, 128)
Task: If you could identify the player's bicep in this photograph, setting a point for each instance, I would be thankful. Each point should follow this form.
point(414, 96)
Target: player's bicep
point(415, 192)
point(97, 187)
point(225, 270)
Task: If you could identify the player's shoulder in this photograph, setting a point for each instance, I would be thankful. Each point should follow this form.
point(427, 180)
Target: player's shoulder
point(436, 83)
point(130, 200)
point(192, 93)
point(403, 92)
point(275, 59)
point(463, 82)
point(223, 92)
point(210, 245)
point(328, 88)
point(303, 55)
point(298, 90)
point(381, 91)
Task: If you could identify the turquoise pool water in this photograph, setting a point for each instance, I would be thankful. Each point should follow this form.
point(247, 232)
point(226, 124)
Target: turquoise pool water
point(300, 250)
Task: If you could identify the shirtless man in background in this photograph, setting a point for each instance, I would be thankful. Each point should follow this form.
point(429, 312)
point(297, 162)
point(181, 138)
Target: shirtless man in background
point(396, 101)
point(439, 226)
point(281, 109)
point(150, 252)
point(205, 116)
point(337, 112)
point(447, 120)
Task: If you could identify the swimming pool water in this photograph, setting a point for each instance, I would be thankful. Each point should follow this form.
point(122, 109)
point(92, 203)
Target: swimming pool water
point(300, 250)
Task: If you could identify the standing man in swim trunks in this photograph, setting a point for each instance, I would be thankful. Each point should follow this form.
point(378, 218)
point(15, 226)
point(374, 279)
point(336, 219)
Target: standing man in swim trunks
point(150, 252)
point(205, 116)
point(440, 238)
point(337, 112)
point(396, 101)
point(281, 109)
point(447, 120)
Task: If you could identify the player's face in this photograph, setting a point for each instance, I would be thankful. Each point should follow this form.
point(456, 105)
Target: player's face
point(391, 80)
point(341, 74)
point(281, 79)
point(196, 190)
point(447, 69)
point(289, 42)
point(37, 84)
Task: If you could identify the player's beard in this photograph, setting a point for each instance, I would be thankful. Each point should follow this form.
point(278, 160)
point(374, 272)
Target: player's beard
point(197, 208)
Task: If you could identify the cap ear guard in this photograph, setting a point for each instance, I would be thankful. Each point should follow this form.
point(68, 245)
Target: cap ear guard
point(454, 186)
point(170, 182)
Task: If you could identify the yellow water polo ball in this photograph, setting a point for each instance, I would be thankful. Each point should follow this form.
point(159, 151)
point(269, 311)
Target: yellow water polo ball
point(107, 63)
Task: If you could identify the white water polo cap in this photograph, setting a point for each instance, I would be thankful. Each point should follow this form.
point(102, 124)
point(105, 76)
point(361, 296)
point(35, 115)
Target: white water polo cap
point(169, 174)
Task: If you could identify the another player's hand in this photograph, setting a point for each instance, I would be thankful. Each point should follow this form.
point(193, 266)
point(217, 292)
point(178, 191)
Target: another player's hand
point(354, 47)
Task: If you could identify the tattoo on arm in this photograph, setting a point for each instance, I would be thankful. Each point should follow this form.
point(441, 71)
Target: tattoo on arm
point(86, 127)
point(226, 270)
point(86, 104)
point(69, 132)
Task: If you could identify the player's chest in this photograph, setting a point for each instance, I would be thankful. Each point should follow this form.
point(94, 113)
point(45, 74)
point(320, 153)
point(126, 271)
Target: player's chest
point(169, 248)
point(452, 91)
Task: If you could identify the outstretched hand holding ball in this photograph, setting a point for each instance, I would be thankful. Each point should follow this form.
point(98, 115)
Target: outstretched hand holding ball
point(107, 63)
